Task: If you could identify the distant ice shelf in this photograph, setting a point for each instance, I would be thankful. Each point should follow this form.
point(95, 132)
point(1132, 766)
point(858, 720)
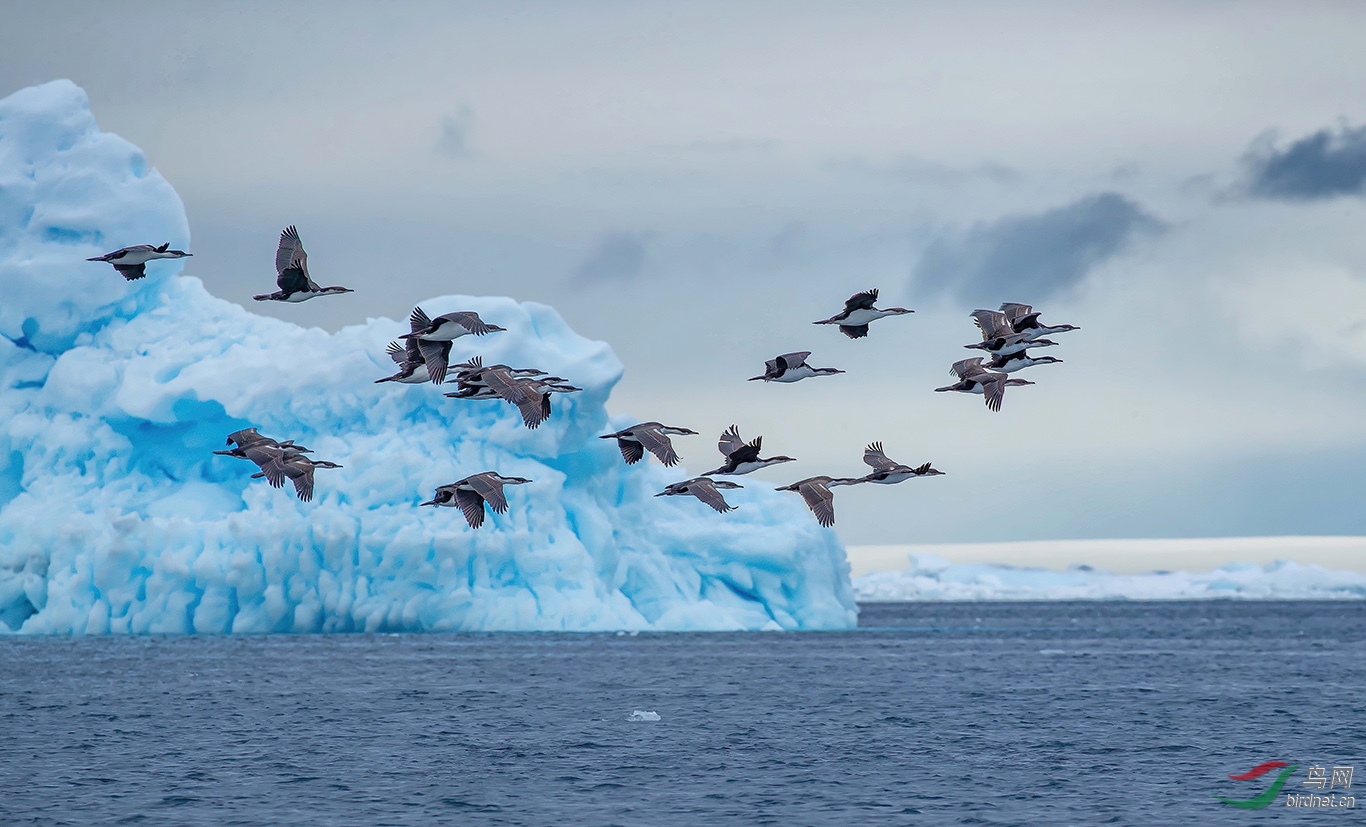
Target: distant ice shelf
point(115, 517)
point(930, 577)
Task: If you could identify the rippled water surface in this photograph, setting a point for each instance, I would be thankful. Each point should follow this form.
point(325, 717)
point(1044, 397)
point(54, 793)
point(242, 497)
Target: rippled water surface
point(979, 713)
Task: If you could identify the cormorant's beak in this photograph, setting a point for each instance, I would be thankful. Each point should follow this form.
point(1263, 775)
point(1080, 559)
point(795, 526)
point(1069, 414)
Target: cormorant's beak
point(428, 502)
point(660, 494)
point(755, 378)
point(223, 453)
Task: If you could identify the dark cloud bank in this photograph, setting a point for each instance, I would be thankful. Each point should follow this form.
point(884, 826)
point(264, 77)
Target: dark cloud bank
point(1322, 165)
point(1031, 257)
point(616, 257)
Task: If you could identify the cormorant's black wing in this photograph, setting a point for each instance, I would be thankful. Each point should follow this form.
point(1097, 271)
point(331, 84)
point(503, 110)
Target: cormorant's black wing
point(473, 506)
point(631, 451)
point(821, 501)
point(861, 301)
point(491, 491)
point(659, 445)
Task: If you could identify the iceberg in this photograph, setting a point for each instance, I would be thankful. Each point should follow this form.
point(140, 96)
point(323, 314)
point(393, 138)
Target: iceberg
point(931, 577)
point(116, 517)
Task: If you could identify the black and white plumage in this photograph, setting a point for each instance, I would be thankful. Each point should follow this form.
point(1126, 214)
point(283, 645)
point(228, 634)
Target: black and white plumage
point(131, 262)
point(1024, 320)
point(974, 378)
point(411, 369)
point(859, 312)
point(648, 436)
point(487, 382)
point(531, 396)
point(703, 488)
point(473, 492)
point(999, 338)
point(819, 498)
point(291, 273)
point(742, 457)
point(449, 326)
point(278, 461)
point(791, 367)
point(1018, 361)
point(250, 437)
point(297, 467)
point(432, 337)
point(470, 382)
point(527, 389)
point(887, 471)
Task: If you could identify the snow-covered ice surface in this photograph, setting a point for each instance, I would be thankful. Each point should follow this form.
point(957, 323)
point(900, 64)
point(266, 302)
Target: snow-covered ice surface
point(116, 517)
point(930, 577)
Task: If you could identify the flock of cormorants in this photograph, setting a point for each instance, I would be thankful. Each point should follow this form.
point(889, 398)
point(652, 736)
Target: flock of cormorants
point(1007, 336)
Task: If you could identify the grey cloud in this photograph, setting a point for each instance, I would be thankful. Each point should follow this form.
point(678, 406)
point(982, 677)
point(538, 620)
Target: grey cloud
point(785, 245)
point(454, 141)
point(920, 171)
point(1321, 165)
point(722, 146)
point(1031, 257)
point(618, 256)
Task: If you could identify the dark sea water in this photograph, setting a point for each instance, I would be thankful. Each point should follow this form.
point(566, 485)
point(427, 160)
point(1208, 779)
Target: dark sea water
point(976, 713)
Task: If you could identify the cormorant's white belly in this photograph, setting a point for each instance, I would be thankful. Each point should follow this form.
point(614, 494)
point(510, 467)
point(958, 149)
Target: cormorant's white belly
point(796, 374)
point(134, 258)
point(893, 479)
point(303, 296)
point(447, 332)
point(862, 317)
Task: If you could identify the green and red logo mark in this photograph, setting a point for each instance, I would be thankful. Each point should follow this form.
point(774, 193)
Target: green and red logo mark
point(1269, 794)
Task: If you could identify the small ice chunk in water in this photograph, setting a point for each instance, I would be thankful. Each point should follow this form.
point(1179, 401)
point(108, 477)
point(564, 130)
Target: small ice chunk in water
point(643, 715)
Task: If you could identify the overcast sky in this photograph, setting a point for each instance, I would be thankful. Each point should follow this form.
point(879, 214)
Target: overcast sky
point(696, 182)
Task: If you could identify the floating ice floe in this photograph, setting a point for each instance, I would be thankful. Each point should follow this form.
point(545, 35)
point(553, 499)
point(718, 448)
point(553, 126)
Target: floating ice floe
point(115, 517)
point(930, 577)
point(644, 715)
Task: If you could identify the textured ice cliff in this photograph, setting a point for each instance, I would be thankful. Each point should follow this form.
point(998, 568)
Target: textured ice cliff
point(116, 517)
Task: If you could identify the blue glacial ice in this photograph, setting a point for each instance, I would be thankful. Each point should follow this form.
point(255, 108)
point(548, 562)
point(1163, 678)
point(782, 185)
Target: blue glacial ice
point(115, 517)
